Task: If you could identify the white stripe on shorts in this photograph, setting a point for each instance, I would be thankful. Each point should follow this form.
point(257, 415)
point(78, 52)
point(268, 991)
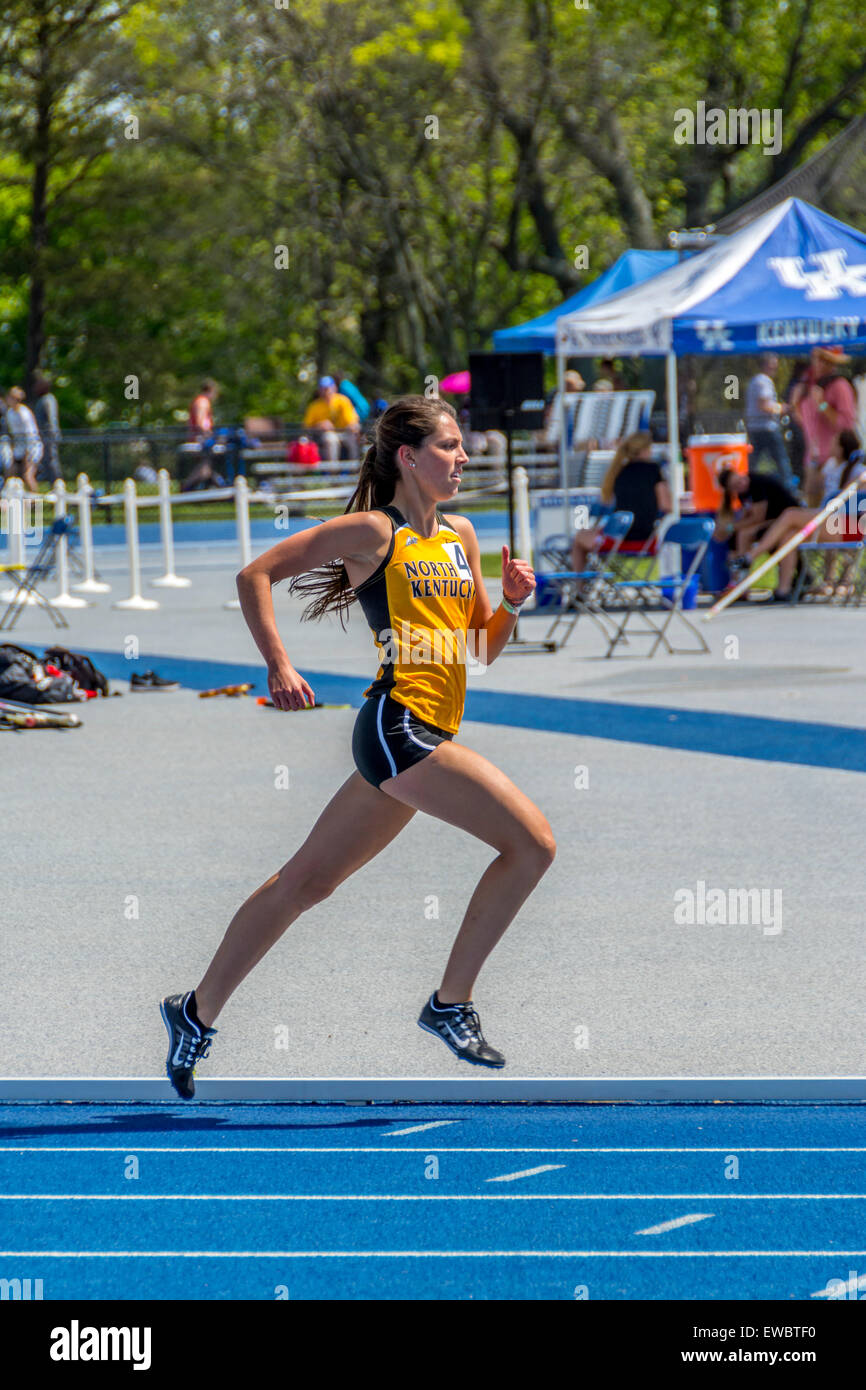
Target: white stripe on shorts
point(391, 762)
point(408, 731)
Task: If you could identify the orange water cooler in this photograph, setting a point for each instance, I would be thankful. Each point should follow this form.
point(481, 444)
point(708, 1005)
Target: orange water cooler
point(708, 455)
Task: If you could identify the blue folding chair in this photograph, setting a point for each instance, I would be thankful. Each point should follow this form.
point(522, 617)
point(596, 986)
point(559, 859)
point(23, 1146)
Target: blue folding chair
point(40, 569)
point(649, 599)
point(582, 591)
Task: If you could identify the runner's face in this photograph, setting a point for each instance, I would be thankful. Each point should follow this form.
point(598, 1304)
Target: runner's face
point(441, 458)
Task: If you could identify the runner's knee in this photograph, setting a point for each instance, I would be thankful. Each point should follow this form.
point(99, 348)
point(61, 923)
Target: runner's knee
point(306, 887)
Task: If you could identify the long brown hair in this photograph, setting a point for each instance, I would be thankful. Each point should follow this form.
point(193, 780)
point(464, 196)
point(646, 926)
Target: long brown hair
point(633, 447)
point(409, 420)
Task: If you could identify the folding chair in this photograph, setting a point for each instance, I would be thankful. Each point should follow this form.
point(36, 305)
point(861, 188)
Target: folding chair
point(36, 572)
point(573, 599)
point(646, 599)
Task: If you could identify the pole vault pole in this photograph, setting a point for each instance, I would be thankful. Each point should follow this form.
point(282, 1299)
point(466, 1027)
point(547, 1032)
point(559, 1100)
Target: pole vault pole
point(832, 506)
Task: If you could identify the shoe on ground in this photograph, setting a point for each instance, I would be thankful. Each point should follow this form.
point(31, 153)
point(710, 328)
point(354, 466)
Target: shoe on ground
point(459, 1026)
point(187, 1043)
point(149, 680)
point(782, 598)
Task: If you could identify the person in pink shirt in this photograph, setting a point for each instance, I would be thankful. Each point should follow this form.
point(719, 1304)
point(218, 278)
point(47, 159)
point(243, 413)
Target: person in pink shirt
point(824, 404)
point(201, 410)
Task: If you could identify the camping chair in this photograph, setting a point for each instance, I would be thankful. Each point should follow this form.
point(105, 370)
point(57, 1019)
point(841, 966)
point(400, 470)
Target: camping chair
point(582, 591)
point(649, 599)
point(40, 568)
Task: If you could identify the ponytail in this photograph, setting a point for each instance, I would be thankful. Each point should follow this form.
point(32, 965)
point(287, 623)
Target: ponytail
point(408, 421)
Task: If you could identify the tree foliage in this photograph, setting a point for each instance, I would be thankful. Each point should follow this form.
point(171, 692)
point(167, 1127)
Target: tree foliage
point(261, 189)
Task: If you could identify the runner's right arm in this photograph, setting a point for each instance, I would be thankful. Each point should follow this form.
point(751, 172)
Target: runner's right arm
point(356, 535)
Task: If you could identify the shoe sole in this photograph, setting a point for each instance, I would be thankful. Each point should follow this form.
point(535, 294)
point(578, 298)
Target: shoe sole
point(167, 1067)
point(460, 1055)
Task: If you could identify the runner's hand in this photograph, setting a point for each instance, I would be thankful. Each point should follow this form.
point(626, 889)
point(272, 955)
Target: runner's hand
point(518, 580)
point(288, 688)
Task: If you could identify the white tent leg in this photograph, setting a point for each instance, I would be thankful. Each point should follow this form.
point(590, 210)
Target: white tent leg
point(674, 471)
point(567, 526)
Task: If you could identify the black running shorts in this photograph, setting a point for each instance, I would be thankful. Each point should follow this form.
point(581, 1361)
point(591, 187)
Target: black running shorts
point(388, 737)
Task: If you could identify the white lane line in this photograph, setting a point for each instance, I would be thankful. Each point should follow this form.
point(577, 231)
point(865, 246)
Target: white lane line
point(527, 1172)
point(340, 1149)
point(677, 1221)
point(433, 1197)
point(424, 1254)
point(416, 1129)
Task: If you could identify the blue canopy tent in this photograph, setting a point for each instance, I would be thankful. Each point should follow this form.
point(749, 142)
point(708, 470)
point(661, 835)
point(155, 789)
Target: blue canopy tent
point(788, 280)
point(539, 334)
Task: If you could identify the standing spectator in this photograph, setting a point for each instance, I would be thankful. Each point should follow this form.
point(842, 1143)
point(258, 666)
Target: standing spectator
point(825, 404)
point(5, 442)
point(23, 432)
point(333, 420)
point(47, 419)
point(794, 434)
point(201, 411)
point(762, 419)
point(201, 431)
point(359, 401)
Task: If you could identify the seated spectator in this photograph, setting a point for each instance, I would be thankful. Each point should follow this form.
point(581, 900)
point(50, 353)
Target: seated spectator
point(333, 421)
point(608, 371)
point(359, 401)
point(633, 483)
point(547, 438)
point(750, 502)
point(838, 472)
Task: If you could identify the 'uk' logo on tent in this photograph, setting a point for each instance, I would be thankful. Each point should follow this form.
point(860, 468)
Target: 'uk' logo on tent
point(832, 277)
point(714, 335)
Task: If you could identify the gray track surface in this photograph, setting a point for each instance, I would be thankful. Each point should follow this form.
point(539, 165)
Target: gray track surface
point(170, 801)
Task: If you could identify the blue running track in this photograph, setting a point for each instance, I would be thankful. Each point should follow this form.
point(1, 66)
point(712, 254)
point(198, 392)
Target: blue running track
point(217, 1201)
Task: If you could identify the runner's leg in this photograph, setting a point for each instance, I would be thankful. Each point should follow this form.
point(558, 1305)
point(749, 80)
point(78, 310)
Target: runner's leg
point(357, 823)
point(459, 786)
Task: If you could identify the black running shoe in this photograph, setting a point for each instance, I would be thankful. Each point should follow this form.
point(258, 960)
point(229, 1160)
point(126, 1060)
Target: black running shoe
point(187, 1043)
point(149, 680)
point(459, 1026)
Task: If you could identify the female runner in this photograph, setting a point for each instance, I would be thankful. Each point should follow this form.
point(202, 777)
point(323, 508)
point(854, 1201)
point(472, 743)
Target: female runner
point(417, 575)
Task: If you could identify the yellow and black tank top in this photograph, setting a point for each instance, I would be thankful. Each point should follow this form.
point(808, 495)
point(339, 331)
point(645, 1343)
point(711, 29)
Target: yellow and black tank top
point(418, 604)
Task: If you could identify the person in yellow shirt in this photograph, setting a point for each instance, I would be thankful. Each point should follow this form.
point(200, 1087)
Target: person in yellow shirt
point(333, 419)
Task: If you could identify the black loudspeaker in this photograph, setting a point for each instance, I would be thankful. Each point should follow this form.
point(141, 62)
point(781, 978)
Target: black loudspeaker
point(507, 390)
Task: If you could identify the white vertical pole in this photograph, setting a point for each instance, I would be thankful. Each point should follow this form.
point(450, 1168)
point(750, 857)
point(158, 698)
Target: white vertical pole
point(523, 538)
point(242, 524)
point(675, 477)
point(169, 580)
point(63, 599)
point(89, 584)
point(130, 519)
point(567, 522)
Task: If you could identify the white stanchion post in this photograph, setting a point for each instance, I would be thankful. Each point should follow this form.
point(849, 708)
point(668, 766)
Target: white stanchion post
point(130, 517)
point(14, 524)
point(63, 598)
point(169, 580)
point(523, 536)
point(89, 584)
point(242, 522)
